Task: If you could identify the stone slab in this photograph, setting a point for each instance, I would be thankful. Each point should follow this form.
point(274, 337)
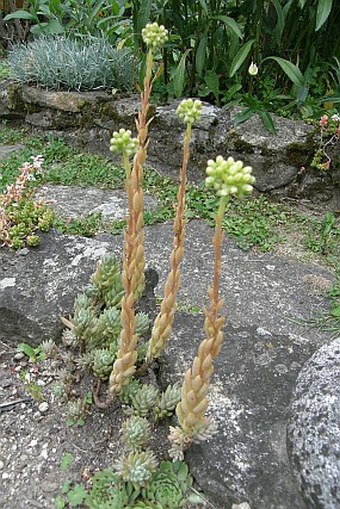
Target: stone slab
point(72, 102)
point(74, 202)
point(260, 290)
point(39, 285)
point(249, 397)
point(7, 150)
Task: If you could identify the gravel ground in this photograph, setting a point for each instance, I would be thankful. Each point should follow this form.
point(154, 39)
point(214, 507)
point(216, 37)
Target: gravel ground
point(34, 436)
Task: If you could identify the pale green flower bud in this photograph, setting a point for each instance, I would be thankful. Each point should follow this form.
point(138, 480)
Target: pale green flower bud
point(229, 177)
point(154, 35)
point(121, 141)
point(253, 69)
point(190, 111)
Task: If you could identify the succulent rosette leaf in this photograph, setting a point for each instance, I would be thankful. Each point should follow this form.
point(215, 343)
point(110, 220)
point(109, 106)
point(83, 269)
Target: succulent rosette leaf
point(103, 360)
point(144, 399)
point(137, 468)
point(129, 391)
point(229, 177)
point(142, 323)
point(107, 281)
point(110, 492)
point(169, 485)
point(135, 432)
point(167, 402)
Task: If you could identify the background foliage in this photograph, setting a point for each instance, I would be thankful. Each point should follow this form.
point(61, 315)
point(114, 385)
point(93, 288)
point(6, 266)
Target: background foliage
point(212, 43)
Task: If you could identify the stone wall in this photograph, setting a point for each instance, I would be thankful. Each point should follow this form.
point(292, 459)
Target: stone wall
point(280, 162)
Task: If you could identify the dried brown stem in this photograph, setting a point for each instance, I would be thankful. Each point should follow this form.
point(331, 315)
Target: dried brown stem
point(96, 398)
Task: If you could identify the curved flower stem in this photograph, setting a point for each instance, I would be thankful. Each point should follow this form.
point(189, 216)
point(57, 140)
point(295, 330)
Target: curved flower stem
point(163, 324)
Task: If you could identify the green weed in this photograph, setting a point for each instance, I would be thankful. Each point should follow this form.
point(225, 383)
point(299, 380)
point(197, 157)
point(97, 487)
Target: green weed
point(31, 388)
point(89, 226)
point(34, 354)
point(323, 236)
point(255, 222)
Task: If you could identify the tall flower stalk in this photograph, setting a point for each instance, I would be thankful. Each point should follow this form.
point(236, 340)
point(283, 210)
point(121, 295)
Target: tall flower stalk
point(124, 367)
point(227, 178)
point(189, 111)
point(154, 36)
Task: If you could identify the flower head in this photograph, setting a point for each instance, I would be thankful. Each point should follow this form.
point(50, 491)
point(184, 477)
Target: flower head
point(121, 141)
point(229, 177)
point(154, 35)
point(324, 121)
point(253, 69)
point(189, 111)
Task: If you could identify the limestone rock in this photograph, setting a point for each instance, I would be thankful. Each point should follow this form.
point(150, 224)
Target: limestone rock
point(72, 102)
point(48, 119)
point(87, 119)
point(6, 150)
point(40, 287)
point(249, 399)
point(73, 202)
point(11, 103)
point(260, 290)
point(314, 431)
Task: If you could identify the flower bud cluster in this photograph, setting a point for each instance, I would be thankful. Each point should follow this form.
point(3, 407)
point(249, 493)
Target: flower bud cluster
point(154, 35)
point(229, 177)
point(121, 141)
point(190, 111)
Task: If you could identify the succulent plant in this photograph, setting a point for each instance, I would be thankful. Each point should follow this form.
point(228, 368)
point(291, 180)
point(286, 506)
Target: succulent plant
point(103, 330)
point(20, 217)
point(142, 323)
point(167, 402)
point(135, 432)
point(49, 348)
point(82, 317)
point(137, 467)
point(76, 410)
point(130, 390)
point(102, 362)
point(85, 361)
point(113, 296)
point(181, 438)
point(142, 350)
point(169, 485)
point(69, 338)
point(144, 399)
point(145, 505)
point(110, 492)
point(111, 317)
point(107, 280)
